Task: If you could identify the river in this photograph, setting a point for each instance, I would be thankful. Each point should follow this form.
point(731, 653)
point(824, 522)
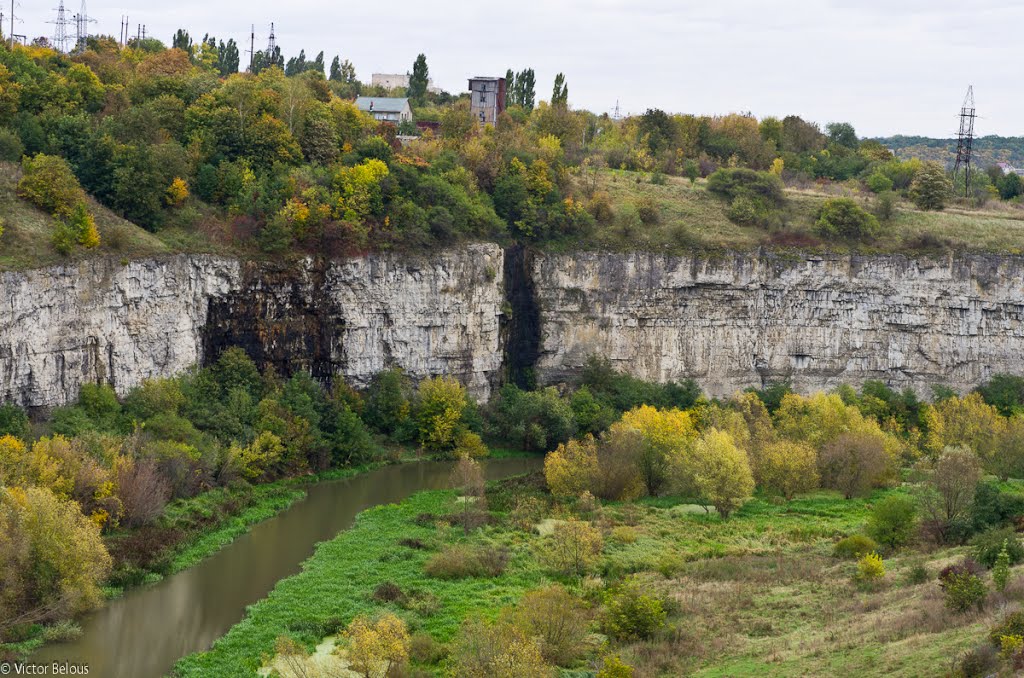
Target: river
point(143, 633)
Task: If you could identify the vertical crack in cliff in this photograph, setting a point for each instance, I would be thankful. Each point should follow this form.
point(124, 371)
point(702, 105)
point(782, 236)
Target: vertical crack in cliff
point(521, 319)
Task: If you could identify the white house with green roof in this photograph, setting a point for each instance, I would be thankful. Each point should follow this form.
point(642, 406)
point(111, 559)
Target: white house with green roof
point(386, 109)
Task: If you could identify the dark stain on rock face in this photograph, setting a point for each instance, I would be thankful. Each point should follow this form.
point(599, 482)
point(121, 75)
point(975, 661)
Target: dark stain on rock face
point(521, 322)
point(283, 317)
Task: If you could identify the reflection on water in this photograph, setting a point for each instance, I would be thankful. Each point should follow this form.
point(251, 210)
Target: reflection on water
point(143, 633)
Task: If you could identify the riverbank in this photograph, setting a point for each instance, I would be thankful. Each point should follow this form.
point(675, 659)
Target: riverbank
point(190, 531)
point(769, 593)
point(145, 631)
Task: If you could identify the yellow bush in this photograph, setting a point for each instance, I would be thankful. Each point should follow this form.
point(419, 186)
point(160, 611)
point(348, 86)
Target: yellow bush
point(572, 548)
point(870, 567)
point(968, 422)
point(375, 648)
point(787, 468)
point(714, 471)
point(665, 433)
point(52, 558)
point(1010, 646)
point(442, 401)
point(177, 192)
point(570, 470)
point(255, 460)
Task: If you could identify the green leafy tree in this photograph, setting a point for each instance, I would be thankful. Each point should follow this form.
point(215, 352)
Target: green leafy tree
point(1001, 571)
point(842, 134)
point(183, 41)
point(49, 183)
point(931, 187)
point(560, 93)
point(893, 521)
point(441, 403)
point(525, 90)
point(1010, 186)
point(419, 79)
point(227, 58)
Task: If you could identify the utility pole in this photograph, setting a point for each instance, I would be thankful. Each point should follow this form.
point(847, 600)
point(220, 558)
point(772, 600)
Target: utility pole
point(12, 25)
point(252, 45)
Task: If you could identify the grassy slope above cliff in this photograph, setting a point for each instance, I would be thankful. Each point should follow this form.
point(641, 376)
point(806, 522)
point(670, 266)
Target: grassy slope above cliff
point(28, 231)
point(689, 219)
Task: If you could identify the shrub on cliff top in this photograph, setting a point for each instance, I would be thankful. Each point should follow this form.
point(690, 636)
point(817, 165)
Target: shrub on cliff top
point(843, 218)
point(49, 183)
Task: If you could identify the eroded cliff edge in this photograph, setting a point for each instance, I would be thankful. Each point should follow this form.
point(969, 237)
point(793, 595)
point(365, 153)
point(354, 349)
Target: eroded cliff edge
point(486, 315)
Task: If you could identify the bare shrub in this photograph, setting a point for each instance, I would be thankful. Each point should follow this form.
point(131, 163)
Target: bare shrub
point(853, 463)
point(461, 561)
point(497, 650)
point(558, 618)
point(143, 491)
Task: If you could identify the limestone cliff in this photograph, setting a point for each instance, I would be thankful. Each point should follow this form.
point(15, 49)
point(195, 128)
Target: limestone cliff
point(818, 321)
point(101, 320)
point(484, 315)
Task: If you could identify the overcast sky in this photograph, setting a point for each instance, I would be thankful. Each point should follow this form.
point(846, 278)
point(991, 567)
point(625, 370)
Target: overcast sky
point(898, 66)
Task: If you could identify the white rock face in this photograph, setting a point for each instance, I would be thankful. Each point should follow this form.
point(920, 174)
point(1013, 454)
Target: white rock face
point(818, 321)
point(101, 321)
point(728, 322)
point(98, 320)
point(432, 315)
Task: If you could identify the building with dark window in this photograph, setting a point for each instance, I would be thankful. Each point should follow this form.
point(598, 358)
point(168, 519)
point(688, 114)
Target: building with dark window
point(385, 109)
point(487, 99)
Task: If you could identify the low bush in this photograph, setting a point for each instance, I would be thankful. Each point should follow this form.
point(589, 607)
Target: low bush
point(854, 546)
point(572, 549)
point(1011, 625)
point(987, 545)
point(62, 632)
point(965, 566)
point(981, 661)
point(964, 591)
point(632, 615)
point(558, 618)
point(461, 561)
point(388, 592)
point(844, 219)
point(893, 521)
point(500, 649)
point(870, 568)
point(423, 649)
point(879, 183)
point(647, 210)
point(623, 534)
point(918, 574)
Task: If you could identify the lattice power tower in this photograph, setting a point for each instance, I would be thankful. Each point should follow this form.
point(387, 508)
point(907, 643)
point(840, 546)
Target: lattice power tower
point(965, 140)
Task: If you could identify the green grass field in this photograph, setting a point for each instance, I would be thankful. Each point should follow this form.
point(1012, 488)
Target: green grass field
point(759, 594)
point(691, 219)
